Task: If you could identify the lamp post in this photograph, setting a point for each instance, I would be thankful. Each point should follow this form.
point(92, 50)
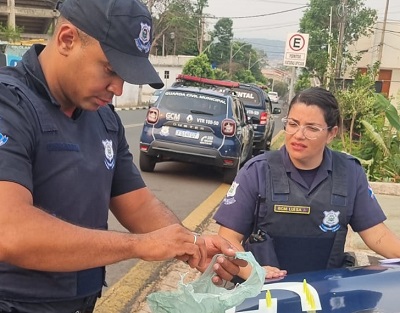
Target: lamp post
point(172, 35)
point(251, 66)
point(231, 55)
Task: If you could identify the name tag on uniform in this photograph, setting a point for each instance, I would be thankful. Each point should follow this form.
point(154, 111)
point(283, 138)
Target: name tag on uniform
point(292, 209)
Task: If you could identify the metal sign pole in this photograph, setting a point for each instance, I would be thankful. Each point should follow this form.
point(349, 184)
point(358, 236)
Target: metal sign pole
point(291, 89)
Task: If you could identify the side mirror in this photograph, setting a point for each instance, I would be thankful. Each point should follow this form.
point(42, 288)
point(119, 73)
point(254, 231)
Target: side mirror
point(276, 111)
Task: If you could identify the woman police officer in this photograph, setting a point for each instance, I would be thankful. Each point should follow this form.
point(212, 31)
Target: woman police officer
point(291, 207)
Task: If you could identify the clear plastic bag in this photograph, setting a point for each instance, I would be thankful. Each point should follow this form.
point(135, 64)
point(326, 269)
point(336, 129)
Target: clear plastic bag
point(202, 296)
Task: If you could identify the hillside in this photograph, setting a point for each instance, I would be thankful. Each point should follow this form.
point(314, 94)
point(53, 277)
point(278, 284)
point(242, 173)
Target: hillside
point(273, 48)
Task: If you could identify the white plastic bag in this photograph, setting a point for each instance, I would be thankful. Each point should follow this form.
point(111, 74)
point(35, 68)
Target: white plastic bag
point(202, 296)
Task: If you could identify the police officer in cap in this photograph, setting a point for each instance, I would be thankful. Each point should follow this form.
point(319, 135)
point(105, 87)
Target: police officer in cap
point(64, 162)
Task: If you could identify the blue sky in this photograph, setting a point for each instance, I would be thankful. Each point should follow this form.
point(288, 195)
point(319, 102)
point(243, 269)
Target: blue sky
point(273, 19)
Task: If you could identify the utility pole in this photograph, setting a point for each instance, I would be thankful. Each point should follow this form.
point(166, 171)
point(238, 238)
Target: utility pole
point(291, 87)
point(383, 34)
point(230, 60)
point(201, 33)
point(163, 45)
point(11, 16)
point(329, 63)
point(339, 53)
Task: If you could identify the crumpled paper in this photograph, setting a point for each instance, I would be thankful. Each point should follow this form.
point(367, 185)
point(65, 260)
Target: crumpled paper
point(202, 296)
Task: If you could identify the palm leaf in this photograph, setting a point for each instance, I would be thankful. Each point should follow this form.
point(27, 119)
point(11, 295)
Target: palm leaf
point(390, 111)
point(375, 137)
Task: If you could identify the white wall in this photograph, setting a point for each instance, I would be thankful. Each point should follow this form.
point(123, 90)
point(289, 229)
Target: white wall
point(172, 64)
point(390, 56)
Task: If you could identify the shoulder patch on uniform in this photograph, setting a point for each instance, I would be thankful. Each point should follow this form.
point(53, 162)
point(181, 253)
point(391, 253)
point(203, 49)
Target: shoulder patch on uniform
point(232, 190)
point(371, 192)
point(3, 139)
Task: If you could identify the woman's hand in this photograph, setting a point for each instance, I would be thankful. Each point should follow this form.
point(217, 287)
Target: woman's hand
point(274, 272)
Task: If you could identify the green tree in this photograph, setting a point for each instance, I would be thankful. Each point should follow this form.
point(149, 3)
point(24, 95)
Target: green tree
point(303, 82)
point(356, 104)
point(244, 76)
point(199, 66)
point(10, 34)
point(371, 127)
point(357, 19)
point(222, 35)
point(281, 88)
point(177, 26)
point(221, 74)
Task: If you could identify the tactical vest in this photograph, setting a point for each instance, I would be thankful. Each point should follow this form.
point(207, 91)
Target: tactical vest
point(24, 285)
point(307, 229)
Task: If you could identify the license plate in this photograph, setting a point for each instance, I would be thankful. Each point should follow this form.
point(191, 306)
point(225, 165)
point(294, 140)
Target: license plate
point(187, 134)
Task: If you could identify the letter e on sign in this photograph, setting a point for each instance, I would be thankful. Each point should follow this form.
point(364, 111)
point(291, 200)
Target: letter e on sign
point(296, 50)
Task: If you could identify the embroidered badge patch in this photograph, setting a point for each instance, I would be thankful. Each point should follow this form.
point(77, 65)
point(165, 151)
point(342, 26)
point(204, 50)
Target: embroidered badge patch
point(143, 42)
point(230, 196)
point(330, 221)
point(109, 160)
point(3, 139)
point(232, 189)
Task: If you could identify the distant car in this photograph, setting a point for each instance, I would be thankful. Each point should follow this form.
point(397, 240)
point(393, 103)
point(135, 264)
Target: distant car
point(373, 288)
point(257, 103)
point(197, 125)
point(273, 96)
point(154, 97)
point(259, 109)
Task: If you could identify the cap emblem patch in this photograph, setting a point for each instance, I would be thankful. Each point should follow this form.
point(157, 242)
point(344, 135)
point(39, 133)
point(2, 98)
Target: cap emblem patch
point(3, 139)
point(143, 42)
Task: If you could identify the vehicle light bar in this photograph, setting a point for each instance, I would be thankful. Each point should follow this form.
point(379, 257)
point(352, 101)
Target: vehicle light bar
point(207, 81)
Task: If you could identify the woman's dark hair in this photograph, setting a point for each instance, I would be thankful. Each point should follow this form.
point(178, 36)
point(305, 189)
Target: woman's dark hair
point(323, 99)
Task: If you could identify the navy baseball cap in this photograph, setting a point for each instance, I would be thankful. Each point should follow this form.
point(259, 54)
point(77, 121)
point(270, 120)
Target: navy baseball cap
point(123, 28)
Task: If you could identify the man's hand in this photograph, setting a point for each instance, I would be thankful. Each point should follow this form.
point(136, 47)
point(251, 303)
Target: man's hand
point(174, 241)
point(225, 267)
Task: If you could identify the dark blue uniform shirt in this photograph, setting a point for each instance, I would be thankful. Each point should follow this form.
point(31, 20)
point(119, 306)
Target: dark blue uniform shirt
point(72, 167)
point(237, 210)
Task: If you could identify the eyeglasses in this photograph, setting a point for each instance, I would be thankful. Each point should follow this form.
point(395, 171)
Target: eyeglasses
point(309, 131)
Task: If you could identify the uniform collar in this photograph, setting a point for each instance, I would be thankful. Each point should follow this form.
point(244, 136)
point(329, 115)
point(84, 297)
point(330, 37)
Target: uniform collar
point(322, 174)
point(326, 164)
point(35, 77)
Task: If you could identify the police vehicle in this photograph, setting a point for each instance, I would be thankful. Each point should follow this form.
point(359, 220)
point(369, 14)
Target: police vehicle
point(195, 125)
point(368, 289)
point(258, 107)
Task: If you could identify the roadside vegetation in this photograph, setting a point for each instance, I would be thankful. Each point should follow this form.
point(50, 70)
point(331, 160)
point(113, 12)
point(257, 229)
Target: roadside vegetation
point(371, 128)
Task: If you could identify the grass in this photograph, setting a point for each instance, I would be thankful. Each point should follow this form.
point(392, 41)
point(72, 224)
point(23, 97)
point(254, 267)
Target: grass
point(278, 140)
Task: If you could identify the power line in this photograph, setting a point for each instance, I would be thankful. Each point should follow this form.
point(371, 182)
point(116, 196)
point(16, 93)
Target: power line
point(261, 15)
point(261, 27)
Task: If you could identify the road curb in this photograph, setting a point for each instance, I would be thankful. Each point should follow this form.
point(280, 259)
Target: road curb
point(132, 108)
point(390, 189)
